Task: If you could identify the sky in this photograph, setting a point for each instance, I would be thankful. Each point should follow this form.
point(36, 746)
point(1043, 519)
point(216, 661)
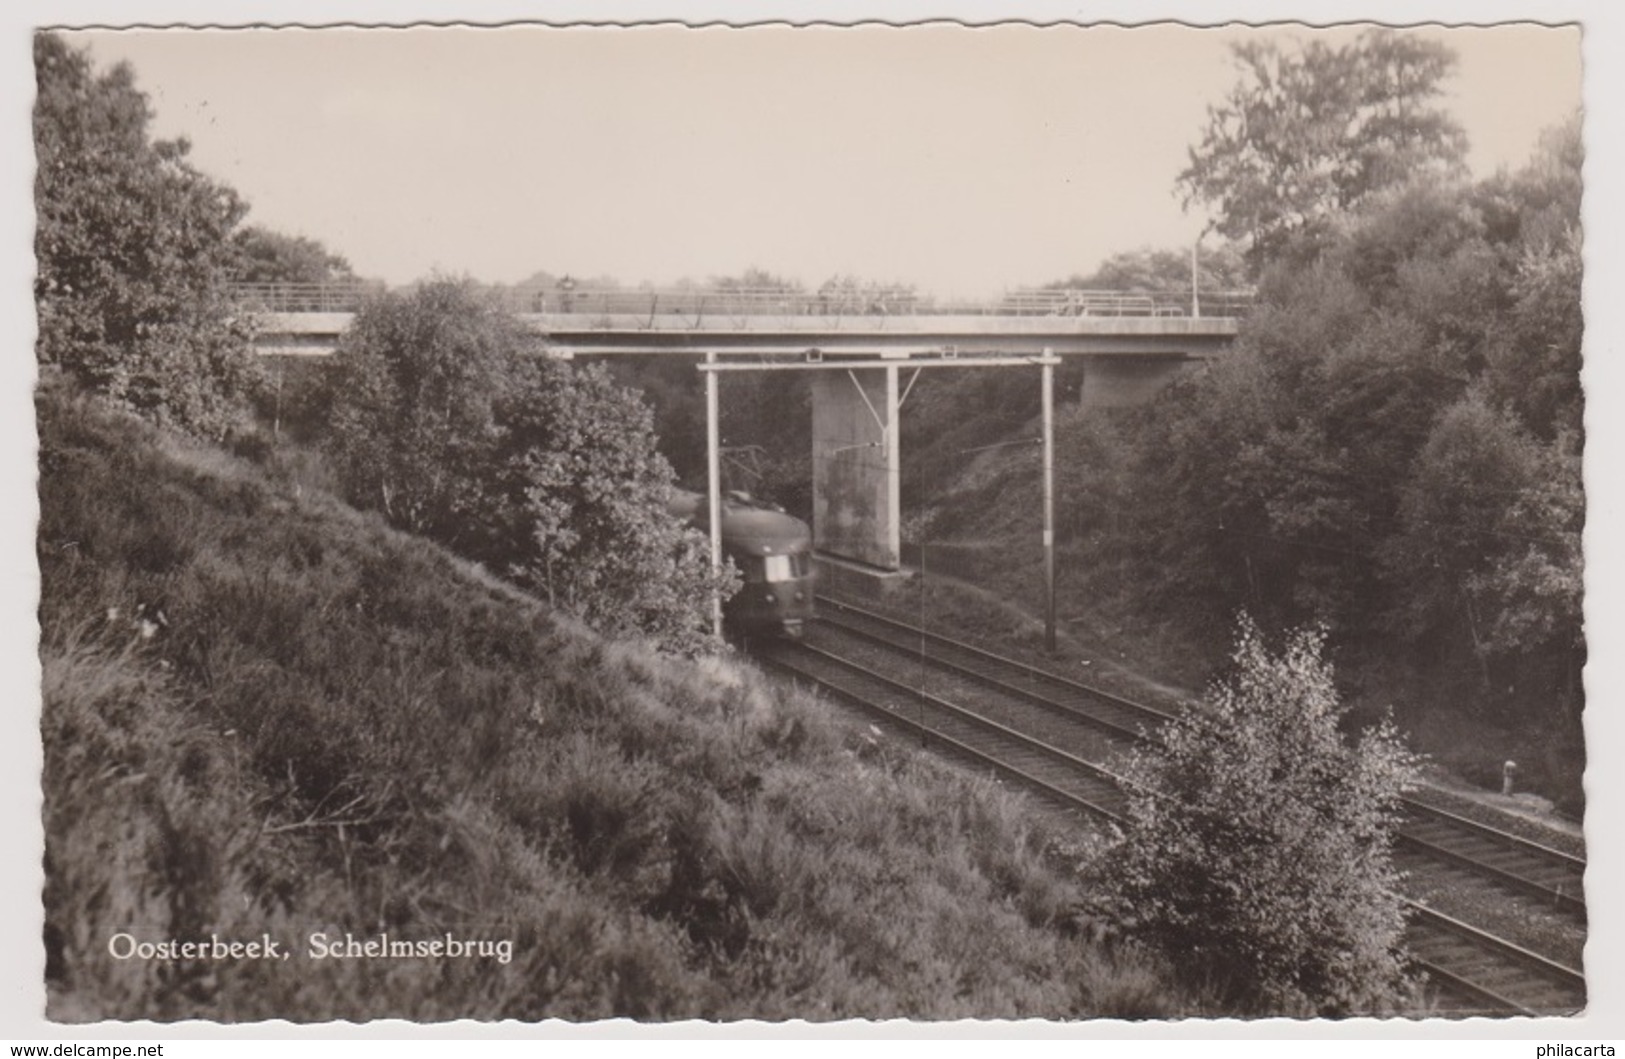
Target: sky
point(962, 160)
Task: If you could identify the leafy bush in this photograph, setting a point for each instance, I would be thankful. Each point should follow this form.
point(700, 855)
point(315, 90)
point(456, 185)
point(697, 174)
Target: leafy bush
point(1258, 849)
point(447, 417)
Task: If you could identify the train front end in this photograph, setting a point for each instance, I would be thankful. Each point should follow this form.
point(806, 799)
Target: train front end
point(772, 552)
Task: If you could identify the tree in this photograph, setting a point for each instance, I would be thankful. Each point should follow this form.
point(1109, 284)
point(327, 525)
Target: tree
point(271, 257)
point(134, 253)
point(1295, 452)
point(1490, 539)
point(446, 417)
point(1258, 845)
point(1392, 449)
point(1218, 268)
point(853, 295)
point(755, 278)
point(580, 481)
point(676, 395)
point(1535, 362)
point(1305, 136)
point(413, 418)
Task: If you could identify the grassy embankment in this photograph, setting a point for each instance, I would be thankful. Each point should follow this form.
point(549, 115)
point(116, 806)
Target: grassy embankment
point(343, 729)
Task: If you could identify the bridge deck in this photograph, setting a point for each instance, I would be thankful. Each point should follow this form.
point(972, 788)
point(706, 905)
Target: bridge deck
point(586, 333)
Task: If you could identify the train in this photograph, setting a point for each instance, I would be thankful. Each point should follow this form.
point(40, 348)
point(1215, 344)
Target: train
point(773, 553)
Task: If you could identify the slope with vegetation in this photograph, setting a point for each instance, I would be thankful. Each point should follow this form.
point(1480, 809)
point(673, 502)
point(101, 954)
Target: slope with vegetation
point(344, 729)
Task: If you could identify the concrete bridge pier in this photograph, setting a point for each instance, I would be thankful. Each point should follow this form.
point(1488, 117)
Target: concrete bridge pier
point(1124, 380)
point(857, 472)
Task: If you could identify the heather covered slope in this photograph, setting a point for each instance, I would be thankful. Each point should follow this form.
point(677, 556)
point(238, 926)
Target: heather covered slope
point(342, 729)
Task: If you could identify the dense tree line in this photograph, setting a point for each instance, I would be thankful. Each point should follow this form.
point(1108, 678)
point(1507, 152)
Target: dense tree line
point(1219, 267)
point(1390, 457)
point(1394, 445)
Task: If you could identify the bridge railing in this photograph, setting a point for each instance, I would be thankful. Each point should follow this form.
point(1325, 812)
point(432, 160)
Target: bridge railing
point(700, 305)
point(338, 296)
point(1223, 303)
point(1052, 302)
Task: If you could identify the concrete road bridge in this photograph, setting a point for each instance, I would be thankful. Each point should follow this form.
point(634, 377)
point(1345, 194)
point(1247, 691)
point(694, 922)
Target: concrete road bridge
point(865, 348)
point(1133, 342)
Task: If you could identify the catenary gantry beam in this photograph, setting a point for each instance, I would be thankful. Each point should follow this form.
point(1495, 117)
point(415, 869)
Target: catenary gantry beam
point(857, 454)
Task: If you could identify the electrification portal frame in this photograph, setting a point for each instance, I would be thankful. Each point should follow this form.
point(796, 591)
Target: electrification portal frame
point(934, 357)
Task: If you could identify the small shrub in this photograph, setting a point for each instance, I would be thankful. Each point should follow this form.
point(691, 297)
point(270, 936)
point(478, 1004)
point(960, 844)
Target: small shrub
point(1259, 841)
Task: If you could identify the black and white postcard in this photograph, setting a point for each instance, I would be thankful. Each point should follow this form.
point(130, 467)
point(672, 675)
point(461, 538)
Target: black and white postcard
point(808, 518)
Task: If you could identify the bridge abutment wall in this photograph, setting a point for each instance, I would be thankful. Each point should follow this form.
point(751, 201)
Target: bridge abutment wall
point(1122, 381)
point(857, 474)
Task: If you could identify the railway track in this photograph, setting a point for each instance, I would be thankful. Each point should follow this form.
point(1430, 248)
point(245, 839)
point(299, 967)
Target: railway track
point(1477, 973)
point(1473, 970)
point(1548, 875)
point(1064, 778)
point(1510, 862)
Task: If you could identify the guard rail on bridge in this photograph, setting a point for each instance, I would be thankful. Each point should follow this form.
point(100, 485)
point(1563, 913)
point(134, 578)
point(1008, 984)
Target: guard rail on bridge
point(338, 296)
point(348, 296)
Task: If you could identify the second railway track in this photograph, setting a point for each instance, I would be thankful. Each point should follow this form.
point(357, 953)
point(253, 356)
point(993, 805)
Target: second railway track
point(1540, 873)
point(1474, 970)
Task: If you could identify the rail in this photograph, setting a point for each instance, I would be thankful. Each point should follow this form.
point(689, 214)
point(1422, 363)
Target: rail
point(350, 295)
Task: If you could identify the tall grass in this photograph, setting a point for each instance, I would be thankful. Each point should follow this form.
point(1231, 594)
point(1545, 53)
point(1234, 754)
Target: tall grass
point(344, 729)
